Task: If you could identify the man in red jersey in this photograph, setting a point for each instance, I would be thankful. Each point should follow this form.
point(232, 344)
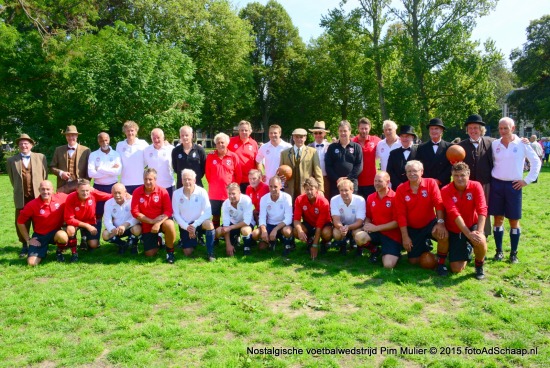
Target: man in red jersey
point(368, 145)
point(151, 205)
point(256, 190)
point(381, 223)
point(80, 209)
point(466, 209)
point(314, 208)
point(222, 168)
point(417, 201)
point(46, 214)
point(246, 150)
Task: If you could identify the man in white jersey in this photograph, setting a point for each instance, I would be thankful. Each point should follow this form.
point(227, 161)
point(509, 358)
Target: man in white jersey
point(193, 213)
point(275, 217)
point(119, 221)
point(159, 156)
point(104, 166)
point(390, 142)
point(269, 154)
point(237, 220)
point(509, 154)
point(131, 154)
point(348, 212)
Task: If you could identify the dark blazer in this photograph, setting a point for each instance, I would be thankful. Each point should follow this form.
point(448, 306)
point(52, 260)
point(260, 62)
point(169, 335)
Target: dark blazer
point(479, 160)
point(39, 167)
point(59, 162)
point(396, 165)
point(436, 165)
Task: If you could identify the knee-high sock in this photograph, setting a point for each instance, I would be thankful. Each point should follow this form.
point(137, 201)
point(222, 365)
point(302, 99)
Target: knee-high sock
point(210, 234)
point(498, 232)
point(514, 238)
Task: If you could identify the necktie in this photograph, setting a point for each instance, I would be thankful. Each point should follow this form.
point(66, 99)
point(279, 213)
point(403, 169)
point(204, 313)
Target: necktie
point(26, 157)
point(298, 154)
point(319, 145)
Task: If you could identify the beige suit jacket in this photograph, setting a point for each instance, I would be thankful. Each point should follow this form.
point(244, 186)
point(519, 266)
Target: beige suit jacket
point(309, 167)
point(59, 162)
point(39, 173)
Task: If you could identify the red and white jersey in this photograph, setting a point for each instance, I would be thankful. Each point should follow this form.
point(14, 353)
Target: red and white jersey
point(348, 213)
point(257, 193)
point(192, 210)
point(116, 214)
point(275, 212)
point(132, 161)
point(417, 210)
point(469, 204)
point(380, 211)
point(151, 204)
point(366, 177)
point(316, 214)
point(241, 213)
point(46, 217)
point(77, 211)
point(220, 172)
point(246, 152)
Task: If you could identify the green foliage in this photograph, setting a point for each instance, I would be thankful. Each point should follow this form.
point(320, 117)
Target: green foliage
point(532, 67)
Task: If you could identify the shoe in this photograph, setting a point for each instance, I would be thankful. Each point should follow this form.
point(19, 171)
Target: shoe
point(374, 257)
point(122, 248)
point(170, 258)
point(480, 275)
point(286, 252)
point(246, 251)
point(60, 257)
point(359, 251)
point(442, 270)
point(323, 249)
point(74, 258)
point(83, 243)
point(343, 250)
point(211, 258)
point(24, 251)
point(134, 249)
point(499, 256)
point(514, 257)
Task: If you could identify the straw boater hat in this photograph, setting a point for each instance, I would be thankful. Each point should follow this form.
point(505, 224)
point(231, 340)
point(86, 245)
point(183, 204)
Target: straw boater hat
point(319, 126)
point(71, 129)
point(24, 137)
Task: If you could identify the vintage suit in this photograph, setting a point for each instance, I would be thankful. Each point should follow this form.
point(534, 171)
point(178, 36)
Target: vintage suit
point(60, 160)
point(309, 166)
point(396, 165)
point(436, 165)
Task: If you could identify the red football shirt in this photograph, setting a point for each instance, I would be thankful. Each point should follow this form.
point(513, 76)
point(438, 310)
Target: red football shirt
point(77, 211)
point(257, 194)
point(220, 172)
point(46, 217)
point(380, 211)
point(369, 160)
point(151, 204)
point(417, 210)
point(316, 214)
point(469, 204)
point(246, 153)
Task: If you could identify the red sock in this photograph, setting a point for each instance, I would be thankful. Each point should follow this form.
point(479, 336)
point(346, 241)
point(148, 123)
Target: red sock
point(480, 263)
point(441, 257)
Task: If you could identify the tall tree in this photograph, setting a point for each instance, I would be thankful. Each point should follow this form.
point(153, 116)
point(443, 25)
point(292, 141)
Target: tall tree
point(277, 47)
point(532, 67)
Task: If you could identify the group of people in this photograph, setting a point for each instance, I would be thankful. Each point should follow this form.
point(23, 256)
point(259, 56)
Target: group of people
point(335, 197)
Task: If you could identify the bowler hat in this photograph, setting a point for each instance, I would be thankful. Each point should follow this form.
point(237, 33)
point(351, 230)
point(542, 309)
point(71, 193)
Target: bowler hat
point(436, 122)
point(71, 129)
point(24, 137)
point(474, 119)
point(299, 131)
point(406, 129)
point(319, 126)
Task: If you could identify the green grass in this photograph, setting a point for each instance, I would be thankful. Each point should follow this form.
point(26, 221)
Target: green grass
point(111, 310)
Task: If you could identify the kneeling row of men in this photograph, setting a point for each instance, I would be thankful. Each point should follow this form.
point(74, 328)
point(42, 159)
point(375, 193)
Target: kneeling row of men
point(406, 219)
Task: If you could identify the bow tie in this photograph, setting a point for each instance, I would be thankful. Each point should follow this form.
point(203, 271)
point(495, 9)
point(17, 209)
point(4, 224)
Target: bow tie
point(319, 145)
point(471, 140)
point(27, 157)
point(71, 148)
point(435, 144)
point(407, 149)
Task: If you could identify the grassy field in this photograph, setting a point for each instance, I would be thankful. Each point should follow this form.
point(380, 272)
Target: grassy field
point(110, 310)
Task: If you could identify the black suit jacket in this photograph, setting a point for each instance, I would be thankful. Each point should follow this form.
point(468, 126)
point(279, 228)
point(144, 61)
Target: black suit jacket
point(436, 165)
point(479, 160)
point(396, 165)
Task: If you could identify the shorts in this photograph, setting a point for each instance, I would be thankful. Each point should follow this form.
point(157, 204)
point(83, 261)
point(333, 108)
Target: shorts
point(216, 207)
point(127, 232)
point(420, 238)
point(504, 200)
point(458, 246)
point(100, 205)
point(310, 230)
point(187, 242)
point(389, 246)
point(44, 240)
point(88, 235)
point(270, 228)
point(150, 241)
